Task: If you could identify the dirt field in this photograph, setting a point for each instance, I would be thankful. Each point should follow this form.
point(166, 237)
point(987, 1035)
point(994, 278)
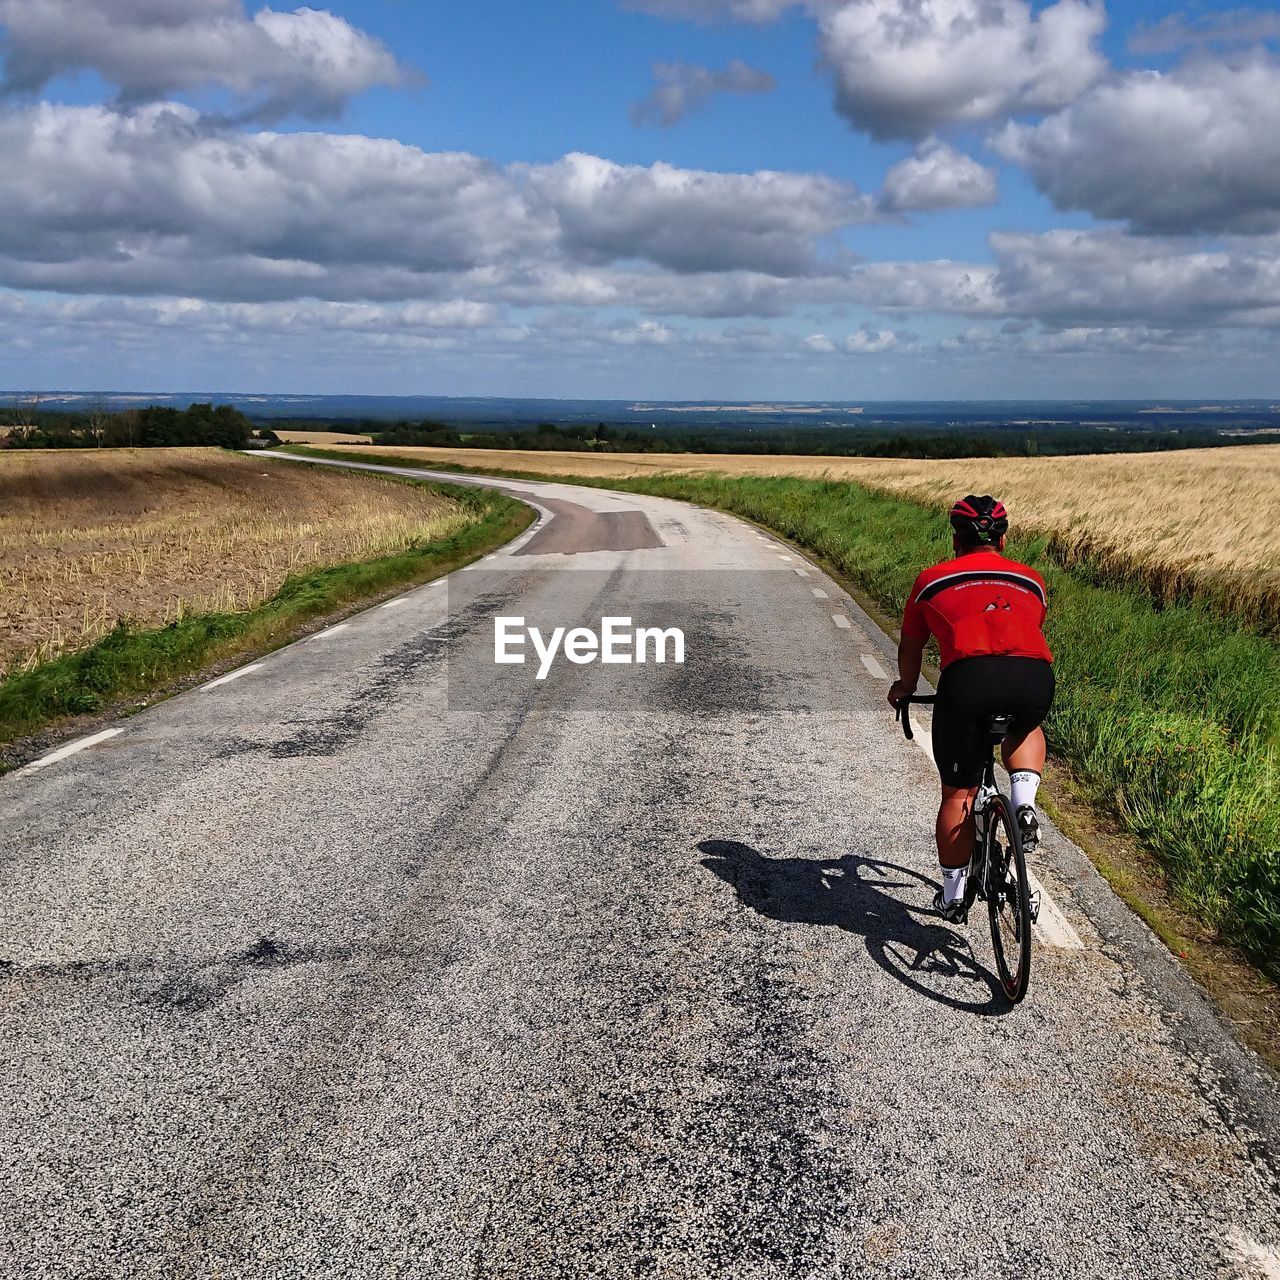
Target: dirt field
point(90, 537)
point(1212, 515)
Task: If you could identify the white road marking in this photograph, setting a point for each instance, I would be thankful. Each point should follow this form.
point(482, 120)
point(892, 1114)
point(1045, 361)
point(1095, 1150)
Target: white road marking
point(395, 604)
point(71, 749)
point(1053, 928)
point(803, 573)
point(873, 666)
point(819, 594)
point(1263, 1260)
point(786, 558)
point(235, 675)
point(330, 631)
point(841, 621)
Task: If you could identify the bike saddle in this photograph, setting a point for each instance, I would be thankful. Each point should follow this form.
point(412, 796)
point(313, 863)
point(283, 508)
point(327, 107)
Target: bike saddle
point(999, 727)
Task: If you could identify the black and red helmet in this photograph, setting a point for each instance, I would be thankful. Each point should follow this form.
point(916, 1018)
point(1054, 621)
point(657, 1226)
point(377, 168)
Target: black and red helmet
point(980, 519)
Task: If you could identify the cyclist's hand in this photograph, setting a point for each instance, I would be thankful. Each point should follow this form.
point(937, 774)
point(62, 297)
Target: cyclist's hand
point(897, 691)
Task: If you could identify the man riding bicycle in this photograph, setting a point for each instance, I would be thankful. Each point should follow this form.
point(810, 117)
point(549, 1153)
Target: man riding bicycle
point(987, 614)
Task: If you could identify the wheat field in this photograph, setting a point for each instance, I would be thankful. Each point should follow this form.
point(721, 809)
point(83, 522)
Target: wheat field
point(1182, 523)
point(89, 538)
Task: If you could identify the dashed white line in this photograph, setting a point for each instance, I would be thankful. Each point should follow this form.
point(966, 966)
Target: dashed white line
point(801, 573)
point(819, 594)
point(235, 675)
point(72, 748)
point(786, 558)
point(841, 621)
point(873, 666)
point(331, 631)
point(395, 604)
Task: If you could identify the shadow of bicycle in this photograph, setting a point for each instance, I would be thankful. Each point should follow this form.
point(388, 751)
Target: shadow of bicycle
point(865, 896)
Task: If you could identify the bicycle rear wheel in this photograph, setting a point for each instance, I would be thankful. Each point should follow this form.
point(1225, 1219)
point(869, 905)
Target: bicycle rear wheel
point(1008, 899)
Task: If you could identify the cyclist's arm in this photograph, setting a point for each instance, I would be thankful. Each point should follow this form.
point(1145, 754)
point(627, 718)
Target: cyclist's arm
point(910, 657)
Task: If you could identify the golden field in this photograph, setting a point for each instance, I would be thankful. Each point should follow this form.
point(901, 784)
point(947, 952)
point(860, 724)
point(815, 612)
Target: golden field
point(321, 439)
point(1182, 523)
point(90, 537)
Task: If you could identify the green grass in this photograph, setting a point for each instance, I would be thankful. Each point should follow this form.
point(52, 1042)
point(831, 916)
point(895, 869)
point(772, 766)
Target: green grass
point(1170, 714)
point(129, 662)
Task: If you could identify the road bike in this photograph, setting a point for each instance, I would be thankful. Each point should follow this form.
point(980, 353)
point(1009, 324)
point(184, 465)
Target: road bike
point(998, 868)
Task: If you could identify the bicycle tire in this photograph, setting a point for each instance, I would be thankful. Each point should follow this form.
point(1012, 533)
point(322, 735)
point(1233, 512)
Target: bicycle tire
point(1008, 899)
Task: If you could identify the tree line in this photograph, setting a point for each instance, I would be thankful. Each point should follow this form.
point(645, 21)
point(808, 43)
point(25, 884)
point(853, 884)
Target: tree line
point(867, 442)
point(155, 426)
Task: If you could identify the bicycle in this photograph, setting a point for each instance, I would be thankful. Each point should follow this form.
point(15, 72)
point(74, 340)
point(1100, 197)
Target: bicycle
point(998, 868)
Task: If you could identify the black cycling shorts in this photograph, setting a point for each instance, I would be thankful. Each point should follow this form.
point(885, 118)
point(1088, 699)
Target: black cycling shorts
point(970, 691)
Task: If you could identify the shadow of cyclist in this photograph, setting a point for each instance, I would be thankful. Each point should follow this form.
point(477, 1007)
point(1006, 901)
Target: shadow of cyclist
point(858, 894)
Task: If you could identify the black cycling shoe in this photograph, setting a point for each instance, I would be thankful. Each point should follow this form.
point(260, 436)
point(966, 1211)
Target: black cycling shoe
point(1028, 827)
point(952, 912)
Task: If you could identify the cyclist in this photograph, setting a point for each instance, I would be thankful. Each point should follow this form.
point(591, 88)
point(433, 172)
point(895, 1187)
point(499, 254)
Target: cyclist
point(987, 614)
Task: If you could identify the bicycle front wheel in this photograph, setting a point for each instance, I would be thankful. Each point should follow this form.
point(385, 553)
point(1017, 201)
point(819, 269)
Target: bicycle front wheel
point(1008, 899)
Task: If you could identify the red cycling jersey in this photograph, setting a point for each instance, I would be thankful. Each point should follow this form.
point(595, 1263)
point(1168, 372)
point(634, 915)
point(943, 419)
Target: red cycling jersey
point(979, 604)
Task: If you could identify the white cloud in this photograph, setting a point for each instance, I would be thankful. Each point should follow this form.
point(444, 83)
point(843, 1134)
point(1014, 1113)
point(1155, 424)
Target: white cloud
point(307, 61)
point(691, 220)
point(155, 201)
point(864, 342)
point(938, 177)
point(683, 87)
point(1079, 279)
point(152, 201)
point(905, 67)
point(1194, 149)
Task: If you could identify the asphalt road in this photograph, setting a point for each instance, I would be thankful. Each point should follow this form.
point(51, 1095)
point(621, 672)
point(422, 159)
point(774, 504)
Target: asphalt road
point(384, 960)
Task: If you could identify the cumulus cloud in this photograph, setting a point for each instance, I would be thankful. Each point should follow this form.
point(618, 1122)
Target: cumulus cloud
point(155, 201)
point(690, 220)
point(937, 177)
point(864, 342)
point(1194, 149)
point(143, 201)
point(1078, 279)
point(683, 87)
point(905, 67)
point(308, 61)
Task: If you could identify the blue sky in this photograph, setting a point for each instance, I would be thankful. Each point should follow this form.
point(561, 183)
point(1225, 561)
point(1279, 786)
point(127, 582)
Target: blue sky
point(653, 198)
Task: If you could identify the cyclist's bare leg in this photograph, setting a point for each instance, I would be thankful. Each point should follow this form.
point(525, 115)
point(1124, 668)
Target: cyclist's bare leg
point(955, 826)
point(955, 842)
point(1026, 752)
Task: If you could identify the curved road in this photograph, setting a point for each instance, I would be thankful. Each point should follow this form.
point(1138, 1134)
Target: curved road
point(383, 960)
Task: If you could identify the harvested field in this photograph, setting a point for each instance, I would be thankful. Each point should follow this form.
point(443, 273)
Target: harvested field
point(1155, 520)
point(88, 538)
point(321, 438)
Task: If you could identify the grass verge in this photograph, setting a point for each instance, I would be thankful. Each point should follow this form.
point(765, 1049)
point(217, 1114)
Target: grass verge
point(130, 661)
point(1169, 715)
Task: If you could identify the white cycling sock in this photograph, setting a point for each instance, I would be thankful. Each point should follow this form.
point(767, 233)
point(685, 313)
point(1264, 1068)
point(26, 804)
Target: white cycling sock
point(1023, 784)
point(953, 881)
